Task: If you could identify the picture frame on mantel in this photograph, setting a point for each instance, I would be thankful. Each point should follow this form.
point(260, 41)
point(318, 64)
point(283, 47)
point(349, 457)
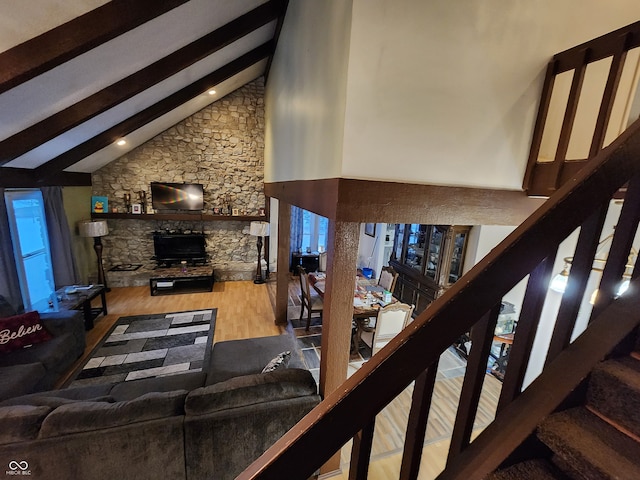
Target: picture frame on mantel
point(136, 208)
point(370, 229)
point(99, 204)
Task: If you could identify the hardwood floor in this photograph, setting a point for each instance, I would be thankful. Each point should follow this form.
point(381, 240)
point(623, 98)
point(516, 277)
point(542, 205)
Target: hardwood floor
point(244, 311)
point(386, 453)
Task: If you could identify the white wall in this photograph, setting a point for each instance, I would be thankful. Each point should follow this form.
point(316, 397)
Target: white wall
point(436, 92)
point(483, 239)
point(370, 249)
point(306, 92)
point(446, 92)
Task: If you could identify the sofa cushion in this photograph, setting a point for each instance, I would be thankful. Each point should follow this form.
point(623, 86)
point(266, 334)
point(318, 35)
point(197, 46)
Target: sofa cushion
point(88, 393)
point(21, 423)
point(135, 388)
point(21, 331)
point(20, 379)
point(250, 390)
point(56, 354)
point(233, 358)
point(51, 400)
point(90, 416)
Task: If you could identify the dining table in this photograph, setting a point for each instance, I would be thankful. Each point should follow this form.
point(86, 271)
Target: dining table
point(368, 299)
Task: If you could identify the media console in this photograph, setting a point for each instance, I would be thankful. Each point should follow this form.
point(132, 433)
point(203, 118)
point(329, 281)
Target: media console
point(175, 280)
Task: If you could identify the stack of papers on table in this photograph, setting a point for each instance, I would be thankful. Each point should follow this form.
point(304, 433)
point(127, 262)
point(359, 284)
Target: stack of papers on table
point(357, 302)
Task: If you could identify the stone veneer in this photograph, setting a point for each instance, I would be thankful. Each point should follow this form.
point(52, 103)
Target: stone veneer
point(221, 147)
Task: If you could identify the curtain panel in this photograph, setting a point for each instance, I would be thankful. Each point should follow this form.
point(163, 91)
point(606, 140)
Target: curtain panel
point(65, 270)
point(297, 227)
point(9, 284)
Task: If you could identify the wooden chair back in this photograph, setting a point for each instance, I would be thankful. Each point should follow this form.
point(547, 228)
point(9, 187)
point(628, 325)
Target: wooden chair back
point(388, 278)
point(390, 321)
point(304, 283)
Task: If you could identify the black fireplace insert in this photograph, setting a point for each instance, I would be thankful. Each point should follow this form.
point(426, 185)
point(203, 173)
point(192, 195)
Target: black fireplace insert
point(173, 248)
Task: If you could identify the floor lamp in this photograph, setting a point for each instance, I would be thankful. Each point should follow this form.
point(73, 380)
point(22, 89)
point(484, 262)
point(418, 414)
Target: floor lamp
point(96, 229)
point(259, 229)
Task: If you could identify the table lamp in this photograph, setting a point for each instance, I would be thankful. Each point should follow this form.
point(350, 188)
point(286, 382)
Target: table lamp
point(259, 229)
point(96, 229)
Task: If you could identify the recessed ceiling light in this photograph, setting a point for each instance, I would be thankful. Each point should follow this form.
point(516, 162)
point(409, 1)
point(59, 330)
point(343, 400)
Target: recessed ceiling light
point(212, 92)
point(121, 142)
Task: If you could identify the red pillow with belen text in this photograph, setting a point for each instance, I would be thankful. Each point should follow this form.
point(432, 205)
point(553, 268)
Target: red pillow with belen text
point(22, 331)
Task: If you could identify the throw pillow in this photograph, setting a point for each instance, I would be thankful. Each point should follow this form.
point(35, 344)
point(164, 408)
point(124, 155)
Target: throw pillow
point(279, 361)
point(21, 331)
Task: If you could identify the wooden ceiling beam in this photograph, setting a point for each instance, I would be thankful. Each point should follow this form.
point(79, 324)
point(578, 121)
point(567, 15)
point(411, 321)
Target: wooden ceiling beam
point(64, 120)
point(283, 11)
point(46, 170)
point(26, 178)
point(45, 52)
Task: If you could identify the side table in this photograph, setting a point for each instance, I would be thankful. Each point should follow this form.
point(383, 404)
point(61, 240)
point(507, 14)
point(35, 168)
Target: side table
point(76, 298)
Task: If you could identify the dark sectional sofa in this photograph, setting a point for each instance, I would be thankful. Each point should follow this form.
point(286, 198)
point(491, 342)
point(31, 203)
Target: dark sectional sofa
point(38, 367)
point(200, 425)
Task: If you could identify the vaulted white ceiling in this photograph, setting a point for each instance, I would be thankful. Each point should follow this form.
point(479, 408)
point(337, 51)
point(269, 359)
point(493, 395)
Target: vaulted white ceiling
point(78, 76)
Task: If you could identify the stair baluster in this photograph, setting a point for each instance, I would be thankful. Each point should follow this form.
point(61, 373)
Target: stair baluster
point(526, 331)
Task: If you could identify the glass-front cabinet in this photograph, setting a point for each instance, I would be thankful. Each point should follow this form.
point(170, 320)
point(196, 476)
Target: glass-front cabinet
point(455, 263)
point(428, 259)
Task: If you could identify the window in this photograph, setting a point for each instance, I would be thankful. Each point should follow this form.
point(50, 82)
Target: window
point(314, 231)
point(25, 209)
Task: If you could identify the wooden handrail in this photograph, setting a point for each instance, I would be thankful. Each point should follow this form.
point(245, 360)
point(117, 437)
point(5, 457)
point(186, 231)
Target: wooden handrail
point(544, 177)
point(351, 408)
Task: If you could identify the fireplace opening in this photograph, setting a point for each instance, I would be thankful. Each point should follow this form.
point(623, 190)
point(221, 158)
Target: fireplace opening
point(173, 248)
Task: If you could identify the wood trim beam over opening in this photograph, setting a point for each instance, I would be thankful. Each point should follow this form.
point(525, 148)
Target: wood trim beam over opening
point(389, 202)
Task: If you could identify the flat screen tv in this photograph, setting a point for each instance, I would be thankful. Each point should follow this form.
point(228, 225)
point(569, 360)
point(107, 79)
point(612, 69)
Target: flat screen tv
point(177, 196)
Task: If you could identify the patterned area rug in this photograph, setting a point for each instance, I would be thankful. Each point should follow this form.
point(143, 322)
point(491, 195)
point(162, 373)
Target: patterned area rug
point(144, 346)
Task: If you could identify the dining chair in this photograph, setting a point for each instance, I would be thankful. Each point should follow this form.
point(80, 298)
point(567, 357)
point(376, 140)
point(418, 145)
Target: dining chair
point(389, 322)
point(313, 303)
point(388, 278)
point(322, 262)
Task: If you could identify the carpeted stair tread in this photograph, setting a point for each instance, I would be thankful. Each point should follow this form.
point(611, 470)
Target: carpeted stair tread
point(537, 469)
point(614, 391)
point(590, 446)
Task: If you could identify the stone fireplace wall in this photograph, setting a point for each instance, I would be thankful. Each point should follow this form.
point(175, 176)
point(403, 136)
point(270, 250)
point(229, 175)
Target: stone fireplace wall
point(222, 148)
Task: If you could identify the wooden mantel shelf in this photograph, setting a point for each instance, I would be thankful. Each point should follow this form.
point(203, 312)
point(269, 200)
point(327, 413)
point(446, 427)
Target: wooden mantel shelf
point(198, 217)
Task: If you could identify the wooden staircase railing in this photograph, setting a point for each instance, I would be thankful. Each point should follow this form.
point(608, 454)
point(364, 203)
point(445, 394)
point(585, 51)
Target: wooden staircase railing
point(473, 304)
point(570, 132)
point(519, 419)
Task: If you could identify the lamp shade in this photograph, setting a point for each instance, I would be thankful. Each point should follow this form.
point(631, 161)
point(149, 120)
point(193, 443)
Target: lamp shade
point(93, 228)
point(259, 229)
point(559, 282)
